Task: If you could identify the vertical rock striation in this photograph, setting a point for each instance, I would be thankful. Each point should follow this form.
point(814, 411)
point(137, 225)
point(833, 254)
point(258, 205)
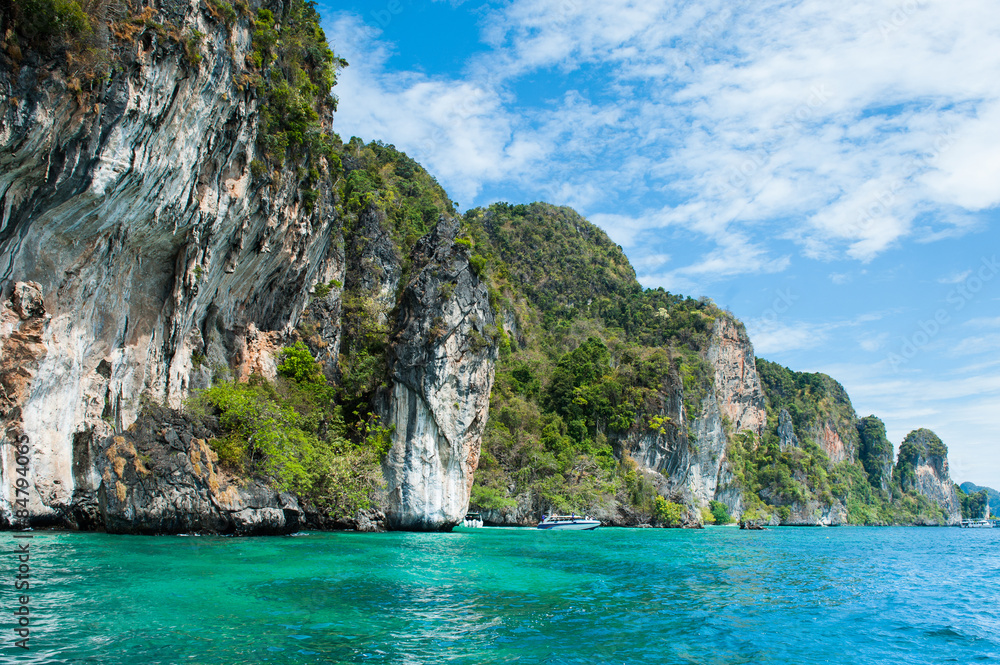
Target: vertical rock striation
point(134, 213)
point(691, 451)
point(441, 373)
point(875, 452)
point(922, 467)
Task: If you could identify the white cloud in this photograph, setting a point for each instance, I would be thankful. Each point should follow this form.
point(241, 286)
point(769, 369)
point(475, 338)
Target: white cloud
point(741, 128)
point(955, 278)
point(459, 129)
point(773, 337)
point(971, 346)
point(835, 126)
point(962, 411)
point(872, 343)
point(984, 322)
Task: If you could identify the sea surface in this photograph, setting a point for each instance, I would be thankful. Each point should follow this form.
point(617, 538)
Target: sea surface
point(718, 595)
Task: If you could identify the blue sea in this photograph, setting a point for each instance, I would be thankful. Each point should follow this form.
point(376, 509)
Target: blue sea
point(718, 595)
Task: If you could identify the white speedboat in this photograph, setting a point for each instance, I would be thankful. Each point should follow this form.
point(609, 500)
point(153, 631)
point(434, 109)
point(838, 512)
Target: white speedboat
point(568, 523)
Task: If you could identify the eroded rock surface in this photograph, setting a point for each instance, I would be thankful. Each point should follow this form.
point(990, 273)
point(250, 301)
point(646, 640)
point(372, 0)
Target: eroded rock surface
point(441, 371)
point(922, 466)
point(161, 477)
point(690, 450)
point(140, 251)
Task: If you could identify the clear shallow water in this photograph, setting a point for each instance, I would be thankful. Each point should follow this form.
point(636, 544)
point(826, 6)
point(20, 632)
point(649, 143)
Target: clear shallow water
point(838, 595)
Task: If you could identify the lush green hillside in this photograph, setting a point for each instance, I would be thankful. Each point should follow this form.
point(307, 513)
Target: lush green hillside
point(586, 355)
point(974, 497)
point(863, 480)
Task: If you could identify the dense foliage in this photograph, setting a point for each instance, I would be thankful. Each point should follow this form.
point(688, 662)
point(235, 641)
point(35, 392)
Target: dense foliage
point(380, 176)
point(974, 504)
point(993, 496)
point(875, 451)
point(293, 70)
point(775, 481)
point(292, 433)
point(813, 401)
point(587, 356)
point(919, 445)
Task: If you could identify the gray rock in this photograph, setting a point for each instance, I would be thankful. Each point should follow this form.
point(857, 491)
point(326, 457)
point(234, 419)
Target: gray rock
point(922, 466)
point(27, 300)
point(786, 433)
point(152, 483)
point(134, 211)
point(441, 367)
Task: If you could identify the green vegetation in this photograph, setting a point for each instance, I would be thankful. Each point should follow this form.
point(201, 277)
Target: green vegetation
point(720, 514)
point(812, 400)
point(817, 405)
point(920, 444)
point(973, 505)
point(71, 31)
point(667, 512)
point(49, 23)
point(294, 73)
point(591, 358)
point(993, 496)
point(874, 450)
point(292, 433)
point(381, 176)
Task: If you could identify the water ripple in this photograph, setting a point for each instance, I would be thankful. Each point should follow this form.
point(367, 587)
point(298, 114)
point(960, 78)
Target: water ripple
point(839, 596)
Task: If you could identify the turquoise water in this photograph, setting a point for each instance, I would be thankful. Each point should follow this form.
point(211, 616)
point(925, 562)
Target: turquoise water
point(837, 595)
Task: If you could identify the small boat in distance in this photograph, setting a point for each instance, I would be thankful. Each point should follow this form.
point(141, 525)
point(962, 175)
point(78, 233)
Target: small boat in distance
point(473, 521)
point(568, 523)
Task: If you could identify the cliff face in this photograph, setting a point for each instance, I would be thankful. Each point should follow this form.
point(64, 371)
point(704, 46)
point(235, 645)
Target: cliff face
point(145, 251)
point(160, 476)
point(875, 453)
point(696, 466)
point(150, 245)
point(135, 214)
point(442, 372)
point(922, 467)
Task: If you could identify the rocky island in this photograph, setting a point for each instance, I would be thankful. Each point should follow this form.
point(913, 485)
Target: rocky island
point(217, 316)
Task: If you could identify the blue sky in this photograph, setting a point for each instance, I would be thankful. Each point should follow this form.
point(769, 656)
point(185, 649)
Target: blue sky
point(829, 172)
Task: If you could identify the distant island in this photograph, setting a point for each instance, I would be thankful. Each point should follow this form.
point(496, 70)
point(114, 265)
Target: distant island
point(975, 499)
point(220, 317)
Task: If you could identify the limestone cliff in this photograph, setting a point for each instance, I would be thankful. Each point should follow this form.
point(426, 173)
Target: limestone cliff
point(133, 212)
point(156, 235)
point(922, 467)
point(168, 219)
point(441, 368)
point(160, 476)
point(875, 452)
point(692, 455)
